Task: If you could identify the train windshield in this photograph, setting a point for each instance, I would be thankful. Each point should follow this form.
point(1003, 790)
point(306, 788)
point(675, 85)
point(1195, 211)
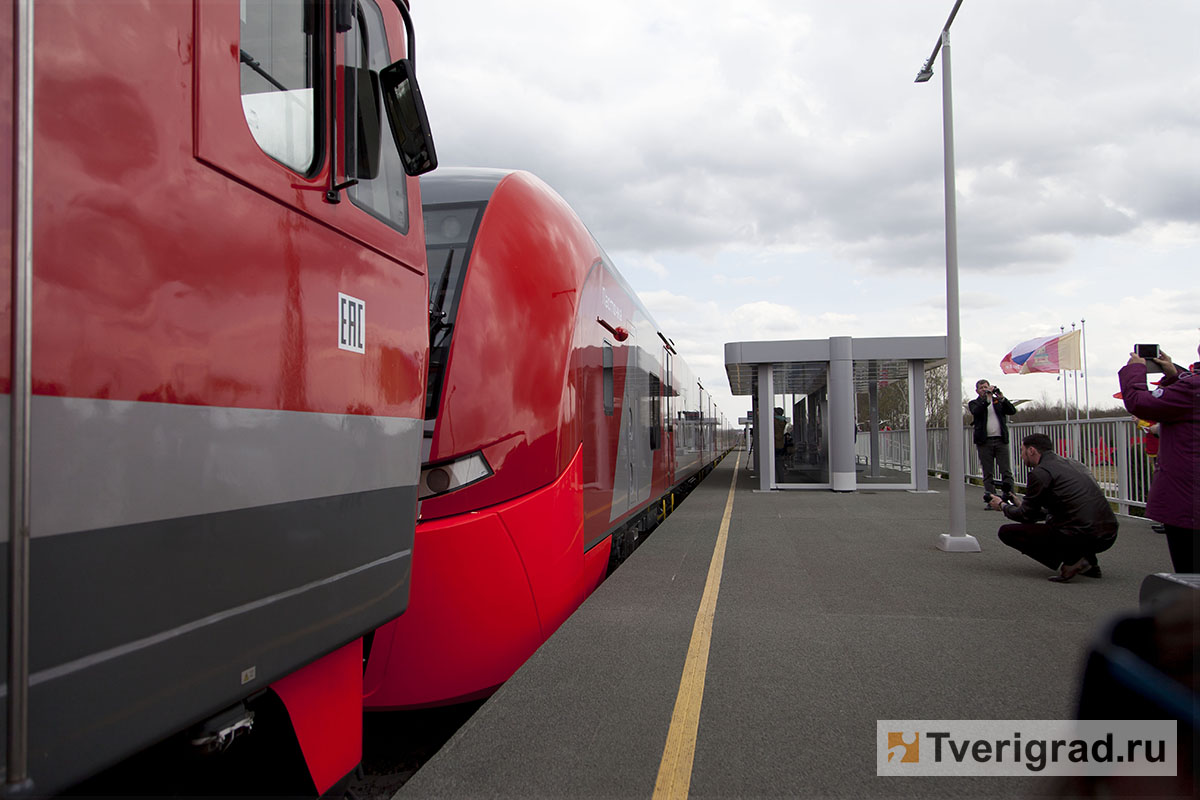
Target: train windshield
point(449, 236)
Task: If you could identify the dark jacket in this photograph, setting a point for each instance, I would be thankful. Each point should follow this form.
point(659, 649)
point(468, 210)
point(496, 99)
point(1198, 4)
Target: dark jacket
point(978, 408)
point(1175, 405)
point(1063, 492)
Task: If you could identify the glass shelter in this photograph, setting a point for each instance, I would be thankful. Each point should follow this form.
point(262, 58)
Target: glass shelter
point(837, 413)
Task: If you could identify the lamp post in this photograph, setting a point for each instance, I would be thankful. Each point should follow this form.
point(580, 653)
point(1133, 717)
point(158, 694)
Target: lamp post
point(957, 540)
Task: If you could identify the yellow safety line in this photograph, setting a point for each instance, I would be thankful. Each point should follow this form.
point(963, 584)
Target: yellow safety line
point(675, 771)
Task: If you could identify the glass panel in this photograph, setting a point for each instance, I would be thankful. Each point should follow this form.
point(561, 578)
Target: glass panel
point(607, 386)
point(371, 154)
point(449, 237)
point(278, 88)
point(882, 439)
point(800, 426)
point(654, 393)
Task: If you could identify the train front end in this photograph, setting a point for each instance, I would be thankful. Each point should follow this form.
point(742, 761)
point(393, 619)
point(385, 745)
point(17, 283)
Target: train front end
point(498, 557)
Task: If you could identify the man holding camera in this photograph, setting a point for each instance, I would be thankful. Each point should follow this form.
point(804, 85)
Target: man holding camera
point(988, 411)
point(1078, 522)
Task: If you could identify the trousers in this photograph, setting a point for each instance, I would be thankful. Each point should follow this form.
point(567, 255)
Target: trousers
point(1181, 542)
point(1053, 546)
point(994, 453)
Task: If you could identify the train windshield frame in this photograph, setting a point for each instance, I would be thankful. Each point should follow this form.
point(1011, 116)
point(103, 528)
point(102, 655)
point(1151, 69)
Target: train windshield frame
point(450, 230)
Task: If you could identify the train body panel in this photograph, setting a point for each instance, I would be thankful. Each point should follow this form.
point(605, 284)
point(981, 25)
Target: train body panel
point(556, 407)
point(489, 587)
point(227, 372)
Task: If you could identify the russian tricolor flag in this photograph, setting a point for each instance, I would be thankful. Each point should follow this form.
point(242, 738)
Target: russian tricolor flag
point(1047, 354)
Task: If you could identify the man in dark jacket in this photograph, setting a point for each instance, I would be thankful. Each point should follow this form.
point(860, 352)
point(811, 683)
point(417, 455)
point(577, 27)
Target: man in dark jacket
point(1174, 495)
point(1078, 520)
point(988, 411)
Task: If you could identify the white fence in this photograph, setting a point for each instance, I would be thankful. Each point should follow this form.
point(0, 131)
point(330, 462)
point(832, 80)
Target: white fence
point(895, 449)
point(1112, 448)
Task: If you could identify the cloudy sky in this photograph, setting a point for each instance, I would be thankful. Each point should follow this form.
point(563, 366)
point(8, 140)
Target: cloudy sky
point(768, 169)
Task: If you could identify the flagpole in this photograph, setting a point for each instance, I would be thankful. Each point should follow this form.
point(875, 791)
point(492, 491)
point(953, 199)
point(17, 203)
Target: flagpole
point(1076, 371)
point(1062, 375)
point(1087, 395)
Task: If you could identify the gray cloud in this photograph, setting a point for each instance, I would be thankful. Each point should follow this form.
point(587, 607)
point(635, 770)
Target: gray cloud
point(792, 126)
point(771, 129)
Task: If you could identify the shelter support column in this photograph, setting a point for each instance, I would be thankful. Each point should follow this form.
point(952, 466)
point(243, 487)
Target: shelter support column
point(873, 411)
point(764, 425)
point(917, 425)
point(751, 432)
point(841, 414)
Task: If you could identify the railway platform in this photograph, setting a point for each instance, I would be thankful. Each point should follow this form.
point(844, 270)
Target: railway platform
point(833, 611)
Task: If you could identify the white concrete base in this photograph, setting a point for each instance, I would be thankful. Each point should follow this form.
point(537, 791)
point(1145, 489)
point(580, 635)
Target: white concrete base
point(958, 544)
point(923, 491)
point(844, 482)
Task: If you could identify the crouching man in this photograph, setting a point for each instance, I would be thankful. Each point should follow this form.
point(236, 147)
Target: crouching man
point(1064, 519)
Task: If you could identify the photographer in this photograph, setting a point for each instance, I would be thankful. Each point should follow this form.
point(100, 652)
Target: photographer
point(1175, 405)
point(1078, 522)
point(988, 411)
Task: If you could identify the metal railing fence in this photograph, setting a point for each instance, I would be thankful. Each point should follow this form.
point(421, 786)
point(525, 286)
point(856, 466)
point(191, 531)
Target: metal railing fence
point(895, 449)
point(1113, 448)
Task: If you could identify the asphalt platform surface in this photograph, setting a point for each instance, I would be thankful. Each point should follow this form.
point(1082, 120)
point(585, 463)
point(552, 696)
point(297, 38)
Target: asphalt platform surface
point(835, 610)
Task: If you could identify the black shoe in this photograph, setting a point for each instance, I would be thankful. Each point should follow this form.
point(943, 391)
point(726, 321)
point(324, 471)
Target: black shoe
point(1092, 572)
point(1158, 527)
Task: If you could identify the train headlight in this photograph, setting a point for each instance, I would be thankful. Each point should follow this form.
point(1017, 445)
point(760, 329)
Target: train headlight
point(449, 476)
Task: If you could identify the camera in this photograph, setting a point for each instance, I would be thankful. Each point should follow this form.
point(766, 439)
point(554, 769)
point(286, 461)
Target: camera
point(988, 497)
point(996, 390)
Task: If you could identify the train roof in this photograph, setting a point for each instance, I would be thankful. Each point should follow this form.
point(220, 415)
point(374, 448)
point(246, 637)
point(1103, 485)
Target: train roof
point(461, 184)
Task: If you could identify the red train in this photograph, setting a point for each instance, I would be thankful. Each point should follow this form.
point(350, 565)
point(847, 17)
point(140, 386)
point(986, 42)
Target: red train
point(215, 354)
point(559, 422)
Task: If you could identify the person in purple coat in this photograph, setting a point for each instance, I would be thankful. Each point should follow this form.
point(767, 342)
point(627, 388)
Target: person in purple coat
point(1175, 405)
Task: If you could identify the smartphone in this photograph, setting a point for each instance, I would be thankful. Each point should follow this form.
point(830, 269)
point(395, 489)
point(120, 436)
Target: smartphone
point(1149, 351)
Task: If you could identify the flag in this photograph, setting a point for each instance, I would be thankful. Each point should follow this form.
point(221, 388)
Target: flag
point(1047, 354)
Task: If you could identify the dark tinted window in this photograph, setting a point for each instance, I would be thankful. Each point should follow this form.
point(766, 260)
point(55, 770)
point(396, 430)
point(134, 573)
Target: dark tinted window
point(607, 383)
point(655, 412)
point(449, 237)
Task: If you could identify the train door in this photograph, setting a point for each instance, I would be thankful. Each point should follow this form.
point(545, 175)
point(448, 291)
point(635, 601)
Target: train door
point(668, 428)
point(631, 426)
point(634, 465)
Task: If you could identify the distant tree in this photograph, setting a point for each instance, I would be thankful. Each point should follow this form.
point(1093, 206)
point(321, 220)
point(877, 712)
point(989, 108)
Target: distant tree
point(1044, 411)
point(892, 399)
point(937, 395)
point(893, 405)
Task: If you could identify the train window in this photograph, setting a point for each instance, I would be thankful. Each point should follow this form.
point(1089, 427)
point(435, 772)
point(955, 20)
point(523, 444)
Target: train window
point(607, 389)
point(449, 236)
point(655, 412)
point(371, 155)
point(279, 79)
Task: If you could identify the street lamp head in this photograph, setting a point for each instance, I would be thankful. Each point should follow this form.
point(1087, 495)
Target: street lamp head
point(925, 74)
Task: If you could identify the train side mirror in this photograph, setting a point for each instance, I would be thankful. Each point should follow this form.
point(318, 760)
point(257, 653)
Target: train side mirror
point(407, 118)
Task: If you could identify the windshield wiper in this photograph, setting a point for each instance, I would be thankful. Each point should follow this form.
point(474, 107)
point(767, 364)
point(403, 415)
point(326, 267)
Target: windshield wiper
point(437, 317)
point(249, 61)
